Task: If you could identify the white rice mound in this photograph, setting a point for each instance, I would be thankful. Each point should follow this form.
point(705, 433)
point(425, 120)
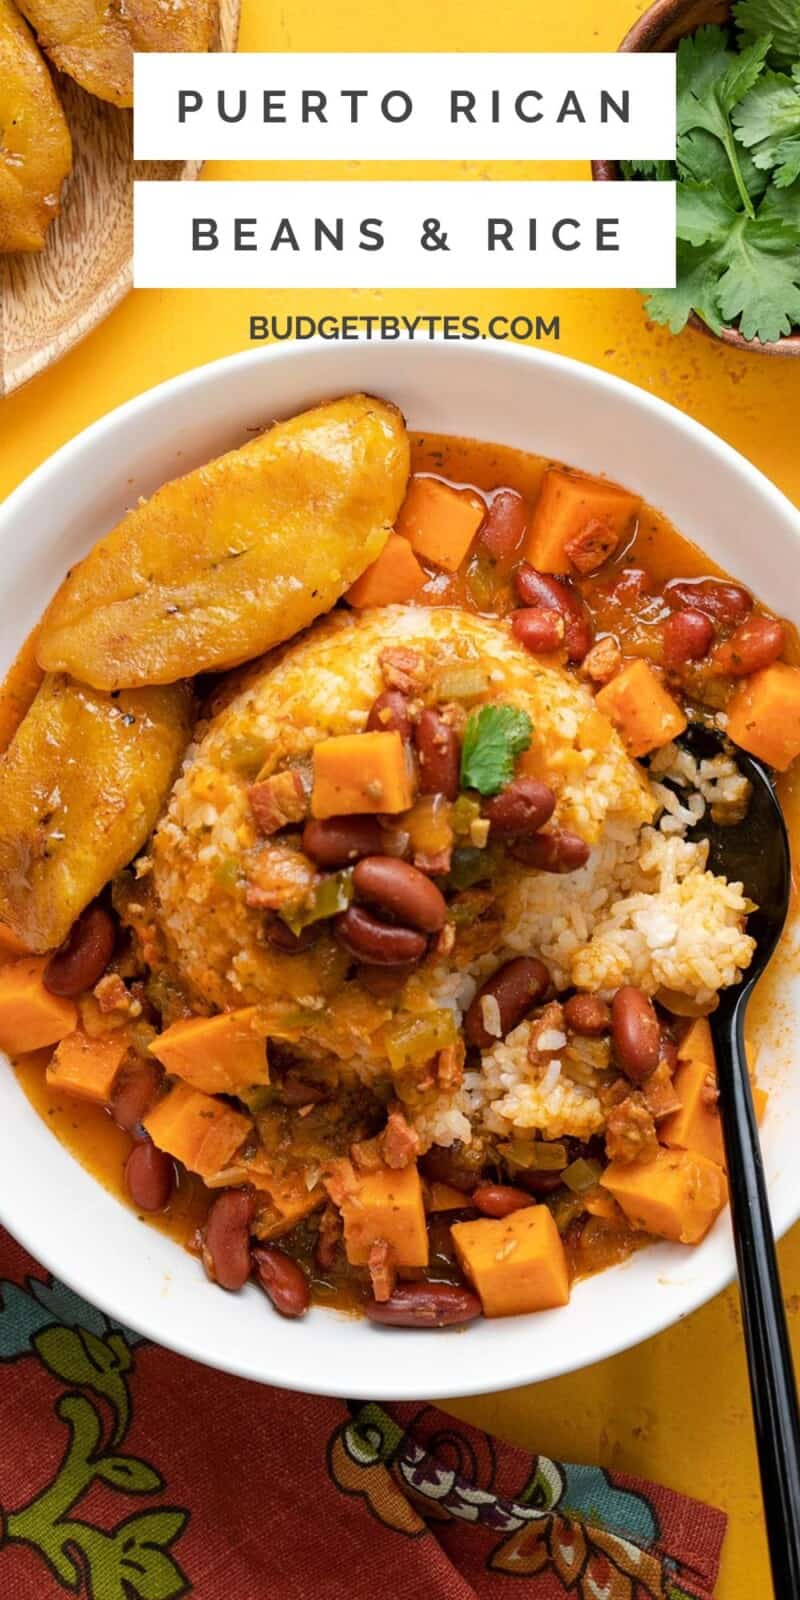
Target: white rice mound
point(515, 1095)
point(324, 684)
point(644, 909)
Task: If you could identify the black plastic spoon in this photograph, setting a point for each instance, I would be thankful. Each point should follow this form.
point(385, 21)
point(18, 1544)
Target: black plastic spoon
point(755, 852)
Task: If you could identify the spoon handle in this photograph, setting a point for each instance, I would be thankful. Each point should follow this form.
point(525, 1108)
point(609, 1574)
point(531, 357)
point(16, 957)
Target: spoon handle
point(769, 1355)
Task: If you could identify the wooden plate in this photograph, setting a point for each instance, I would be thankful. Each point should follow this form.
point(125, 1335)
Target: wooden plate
point(51, 300)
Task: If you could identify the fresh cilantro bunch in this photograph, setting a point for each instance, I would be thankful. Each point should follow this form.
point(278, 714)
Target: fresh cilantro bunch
point(738, 170)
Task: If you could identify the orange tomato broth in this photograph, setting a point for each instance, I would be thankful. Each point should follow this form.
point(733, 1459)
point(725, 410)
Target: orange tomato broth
point(88, 1132)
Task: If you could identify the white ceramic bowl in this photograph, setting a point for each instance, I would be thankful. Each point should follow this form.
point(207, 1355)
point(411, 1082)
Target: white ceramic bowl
point(539, 402)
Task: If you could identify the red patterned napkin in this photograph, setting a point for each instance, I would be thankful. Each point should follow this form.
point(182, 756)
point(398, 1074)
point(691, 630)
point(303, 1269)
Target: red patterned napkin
point(129, 1473)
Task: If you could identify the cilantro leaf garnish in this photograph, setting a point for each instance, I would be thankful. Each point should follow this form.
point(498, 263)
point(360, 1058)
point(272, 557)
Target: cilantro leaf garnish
point(493, 739)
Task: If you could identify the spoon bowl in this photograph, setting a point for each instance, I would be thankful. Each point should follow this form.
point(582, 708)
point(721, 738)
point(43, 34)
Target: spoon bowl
point(755, 853)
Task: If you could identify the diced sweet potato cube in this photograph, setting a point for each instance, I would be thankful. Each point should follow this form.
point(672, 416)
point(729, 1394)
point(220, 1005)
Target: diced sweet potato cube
point(642, 710)
point(439, 522)
point(677, 1196)
point(764, 715)
point(395, 577)
point(221, 1055)
point(357, 772)
point(575, 517)
point(87, 1067)
point(284, 1200)
point(201, 1132)
point(516, 1263)
point(697, 1043)
point(31, 1017)
point(385, 1205)
point(697, 1125)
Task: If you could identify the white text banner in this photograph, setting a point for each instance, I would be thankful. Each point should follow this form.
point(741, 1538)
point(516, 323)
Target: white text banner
point(404, 107)
point(255, 235)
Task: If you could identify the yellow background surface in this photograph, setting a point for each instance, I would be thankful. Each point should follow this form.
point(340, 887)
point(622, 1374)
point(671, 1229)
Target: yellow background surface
point(675, 1409)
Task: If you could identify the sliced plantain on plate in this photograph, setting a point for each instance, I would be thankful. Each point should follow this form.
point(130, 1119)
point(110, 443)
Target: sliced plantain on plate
point(81, 785)
point(93, 41)
point(35, 143)
point(239, 555)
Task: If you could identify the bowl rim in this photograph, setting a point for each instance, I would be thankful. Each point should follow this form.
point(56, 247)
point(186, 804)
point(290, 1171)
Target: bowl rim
point(542, 1362)
point(644, 35)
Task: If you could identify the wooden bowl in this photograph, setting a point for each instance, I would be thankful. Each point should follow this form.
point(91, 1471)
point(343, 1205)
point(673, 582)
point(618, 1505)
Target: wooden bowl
point(661, 27)
point(51, 300)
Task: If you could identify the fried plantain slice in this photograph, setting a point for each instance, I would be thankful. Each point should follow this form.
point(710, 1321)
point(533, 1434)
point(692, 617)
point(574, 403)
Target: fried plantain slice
point(236, 557)
point(81, 786)
point(35, 144)
point(93, 40)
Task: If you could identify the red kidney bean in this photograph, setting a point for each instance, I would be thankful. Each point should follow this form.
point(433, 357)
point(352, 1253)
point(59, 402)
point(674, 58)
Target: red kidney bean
point(539, 1182)
point(338, 841)
point(555, 851)
point(425, 1305)
point(149, 1177)
point(636, 1032)
point(517, 986)
point(522, 807)
point(688, 636)
point(438, 752)
point(499, 1199)
point(756, 643)
point(83, 957)
point(401, 890)
point(390, 714)
point(540, 629)
point(587, 1014)
point(226, 1239)
point(376, 943)
point(542, 589)
point(278, 934)
point(725, 603)
point(135, 1088)
point(282, 1280)
point(452, 1165)
point(504, 524)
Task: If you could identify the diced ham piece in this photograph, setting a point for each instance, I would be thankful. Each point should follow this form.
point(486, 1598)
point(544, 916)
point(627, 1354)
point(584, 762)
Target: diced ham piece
point(591, 546)
point(399, 1142)
point(401, 668)
point(603, 662)
point(382, 1270)
point(330, 1232)
point(278, 801)
point(631, 1131)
